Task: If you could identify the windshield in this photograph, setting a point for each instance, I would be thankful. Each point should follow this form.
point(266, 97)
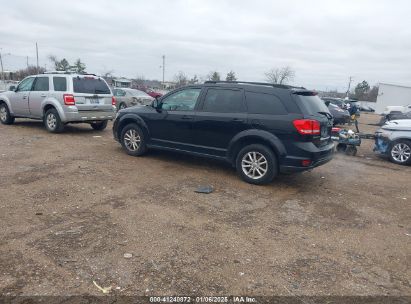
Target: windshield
point(311, 104)
point(90, 85)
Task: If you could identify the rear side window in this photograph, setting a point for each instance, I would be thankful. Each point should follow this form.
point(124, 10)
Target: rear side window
point(41, 84)
point(310, 104)
point(260, 103)
point(224, 101)
point(90, 85)
point(60, 84)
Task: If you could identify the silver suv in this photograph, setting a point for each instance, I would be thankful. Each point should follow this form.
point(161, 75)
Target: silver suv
point(58, 99)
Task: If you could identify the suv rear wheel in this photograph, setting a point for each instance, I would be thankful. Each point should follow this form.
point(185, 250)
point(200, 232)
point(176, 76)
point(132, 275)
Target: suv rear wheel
point(5, 117)
point(400, 152)
point(133, 140)
point(257, 164)
point(53, 122)
point(99, 126)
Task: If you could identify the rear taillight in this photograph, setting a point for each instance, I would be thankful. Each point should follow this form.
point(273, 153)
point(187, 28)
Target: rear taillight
point(113, 100)
point(307, 126)
point(69, 100)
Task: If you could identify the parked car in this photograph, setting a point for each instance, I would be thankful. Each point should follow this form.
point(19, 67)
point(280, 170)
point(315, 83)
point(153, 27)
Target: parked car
point(261, 129)
point(340, 116)
point(396, 109)
point(335, 101)
point(58, 99)
point(154, 94)
point(394, 116)
point(129, 97)
point(394, 140)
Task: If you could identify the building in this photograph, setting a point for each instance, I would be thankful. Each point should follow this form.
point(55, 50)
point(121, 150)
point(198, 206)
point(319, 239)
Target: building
point(121, 83)
point(392, 95)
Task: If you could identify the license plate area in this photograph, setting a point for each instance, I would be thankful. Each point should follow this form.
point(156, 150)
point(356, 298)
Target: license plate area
point(93, 101)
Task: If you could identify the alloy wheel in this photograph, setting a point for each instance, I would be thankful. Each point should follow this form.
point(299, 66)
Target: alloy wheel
point(51, 121)
point(132, 140)
point(401, 152)
point(254, 165)
point(3, 113)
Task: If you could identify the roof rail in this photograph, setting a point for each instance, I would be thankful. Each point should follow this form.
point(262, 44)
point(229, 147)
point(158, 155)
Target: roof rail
point(68, 73)
point(281, 86)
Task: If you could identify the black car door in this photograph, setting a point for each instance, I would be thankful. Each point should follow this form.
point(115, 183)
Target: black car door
point(221, 115)
point(172, 126)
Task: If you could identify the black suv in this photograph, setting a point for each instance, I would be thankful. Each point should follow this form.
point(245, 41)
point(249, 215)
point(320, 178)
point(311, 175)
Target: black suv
point(261, 129)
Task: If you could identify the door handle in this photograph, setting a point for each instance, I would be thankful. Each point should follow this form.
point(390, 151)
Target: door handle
point(24, 96)
point(237, 119)
point(43, 95)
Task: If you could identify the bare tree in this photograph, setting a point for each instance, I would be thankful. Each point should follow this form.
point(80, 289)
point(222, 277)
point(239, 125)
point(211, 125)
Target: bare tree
point(280, 75)
point(214, 76)
point(180, 79)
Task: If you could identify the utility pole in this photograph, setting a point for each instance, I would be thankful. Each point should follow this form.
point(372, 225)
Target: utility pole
point(164, 67)
point(27, 61)
point(349, 86)
point(37, 56)
point(2, 70)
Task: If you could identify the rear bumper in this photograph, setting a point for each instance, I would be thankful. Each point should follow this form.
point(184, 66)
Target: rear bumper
point(88, 116)
point(317, 156)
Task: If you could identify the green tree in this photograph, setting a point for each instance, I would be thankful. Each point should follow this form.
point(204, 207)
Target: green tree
point(214, 76)
point(230, 76)
point(78, 67)
point(361, 90)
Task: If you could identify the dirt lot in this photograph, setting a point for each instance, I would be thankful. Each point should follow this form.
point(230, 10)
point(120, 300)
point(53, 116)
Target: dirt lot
point(71, 206)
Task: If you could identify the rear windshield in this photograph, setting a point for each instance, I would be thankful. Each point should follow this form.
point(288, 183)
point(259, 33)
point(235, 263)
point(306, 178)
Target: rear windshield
point(311, 105)
point(90, 86)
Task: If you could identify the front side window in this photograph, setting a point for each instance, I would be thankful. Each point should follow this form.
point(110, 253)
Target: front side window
point(60, 84)
point(41, 84)
point(25, 85)
point(184, 100)
point(224, 101)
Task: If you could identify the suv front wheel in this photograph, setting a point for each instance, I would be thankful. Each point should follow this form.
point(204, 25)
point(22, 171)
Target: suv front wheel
point(5, 117)
point(257, 164)
point(133, 140)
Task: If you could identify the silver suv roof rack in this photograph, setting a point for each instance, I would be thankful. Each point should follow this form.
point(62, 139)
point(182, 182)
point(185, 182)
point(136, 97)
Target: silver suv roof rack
point(68, 73)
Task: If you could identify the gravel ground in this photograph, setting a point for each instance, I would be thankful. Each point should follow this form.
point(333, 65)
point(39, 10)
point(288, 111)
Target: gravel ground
point(74, 208)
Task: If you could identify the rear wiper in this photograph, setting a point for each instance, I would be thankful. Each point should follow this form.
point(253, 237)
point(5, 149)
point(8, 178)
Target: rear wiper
point(100, 91)
point(329, 116)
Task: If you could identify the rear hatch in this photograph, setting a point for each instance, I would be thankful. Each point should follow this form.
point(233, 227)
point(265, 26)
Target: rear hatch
point(91, 93)
point(314, 108)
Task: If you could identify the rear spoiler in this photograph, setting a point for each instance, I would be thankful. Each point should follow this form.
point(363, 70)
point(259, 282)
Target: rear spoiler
point(304, 92)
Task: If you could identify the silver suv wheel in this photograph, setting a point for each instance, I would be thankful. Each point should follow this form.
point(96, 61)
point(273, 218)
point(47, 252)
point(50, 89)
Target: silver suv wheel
point(401, 152)
point(51, 121)
point(254, 165)
point(3, 113)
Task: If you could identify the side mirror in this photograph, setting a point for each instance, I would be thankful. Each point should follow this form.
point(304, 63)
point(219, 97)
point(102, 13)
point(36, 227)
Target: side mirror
point(12, 88)
point(156, 104)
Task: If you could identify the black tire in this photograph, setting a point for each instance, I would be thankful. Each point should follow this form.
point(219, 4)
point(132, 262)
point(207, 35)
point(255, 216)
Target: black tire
point(99, 126)
point(52, 121)
point(134, 147)
point(5, 116)
point(341, 148)
point(245, 157)
point(394, 154)
point(122, 106)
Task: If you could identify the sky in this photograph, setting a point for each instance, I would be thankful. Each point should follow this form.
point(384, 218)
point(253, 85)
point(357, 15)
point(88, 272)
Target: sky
point(324, 41)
